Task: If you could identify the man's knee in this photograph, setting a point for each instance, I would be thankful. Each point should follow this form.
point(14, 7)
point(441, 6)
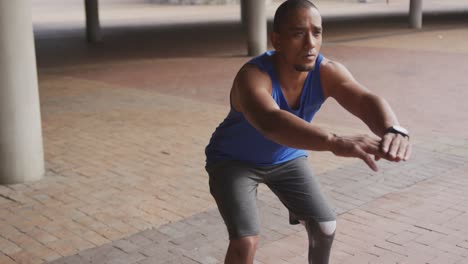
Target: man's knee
point(321, 235)
point(244, 245)
point(327, 228)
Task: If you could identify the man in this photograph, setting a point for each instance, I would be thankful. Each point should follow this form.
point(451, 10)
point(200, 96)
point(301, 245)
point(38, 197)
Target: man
point(264, 137)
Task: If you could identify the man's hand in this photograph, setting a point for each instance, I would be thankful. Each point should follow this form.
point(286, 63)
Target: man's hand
point(358, 147)
point(392, 147)
point(395, 147)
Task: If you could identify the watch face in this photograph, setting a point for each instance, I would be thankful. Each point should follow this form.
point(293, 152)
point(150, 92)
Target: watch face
point(401, 129)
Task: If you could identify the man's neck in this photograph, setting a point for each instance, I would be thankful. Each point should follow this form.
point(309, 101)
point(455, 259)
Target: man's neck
point(288, 77)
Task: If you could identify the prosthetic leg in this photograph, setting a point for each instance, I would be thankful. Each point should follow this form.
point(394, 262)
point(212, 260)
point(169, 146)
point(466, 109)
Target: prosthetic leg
point(321, 237)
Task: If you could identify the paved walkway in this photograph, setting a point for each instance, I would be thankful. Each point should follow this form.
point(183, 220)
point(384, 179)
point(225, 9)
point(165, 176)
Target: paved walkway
point(125, 123)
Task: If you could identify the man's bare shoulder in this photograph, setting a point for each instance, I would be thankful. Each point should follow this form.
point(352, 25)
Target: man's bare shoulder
point(331, 67)
point(250, 76)
point(334, 77)
point(249, 81)
point(251, 72)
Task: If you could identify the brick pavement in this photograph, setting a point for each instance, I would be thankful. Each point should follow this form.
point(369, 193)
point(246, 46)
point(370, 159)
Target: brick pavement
point(410, 214)
point(124, 140)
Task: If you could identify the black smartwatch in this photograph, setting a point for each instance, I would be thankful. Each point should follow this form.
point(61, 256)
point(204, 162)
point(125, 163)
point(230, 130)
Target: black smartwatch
point(398, 130)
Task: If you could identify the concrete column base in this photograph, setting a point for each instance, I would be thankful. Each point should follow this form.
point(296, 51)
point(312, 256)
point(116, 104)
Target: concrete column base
point(21, 149)
point(256, 25)
point(93, 27)
point(416, 14)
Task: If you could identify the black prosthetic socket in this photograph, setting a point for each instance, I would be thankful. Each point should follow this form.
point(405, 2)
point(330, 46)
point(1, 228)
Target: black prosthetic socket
point(319, 243)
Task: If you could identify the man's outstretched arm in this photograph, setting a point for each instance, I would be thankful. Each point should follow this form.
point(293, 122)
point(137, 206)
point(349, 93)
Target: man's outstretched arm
point(251, 95)
point(373, 110)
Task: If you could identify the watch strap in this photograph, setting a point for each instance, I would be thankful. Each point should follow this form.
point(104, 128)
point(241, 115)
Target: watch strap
point(396, 131)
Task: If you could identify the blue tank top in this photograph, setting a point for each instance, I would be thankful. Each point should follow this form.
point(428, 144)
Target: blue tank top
point(236, 139)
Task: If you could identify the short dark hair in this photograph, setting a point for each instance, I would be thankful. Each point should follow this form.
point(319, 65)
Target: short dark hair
point(285, 7)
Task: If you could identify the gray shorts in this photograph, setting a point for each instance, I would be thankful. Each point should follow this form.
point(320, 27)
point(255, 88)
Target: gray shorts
point(233, 184)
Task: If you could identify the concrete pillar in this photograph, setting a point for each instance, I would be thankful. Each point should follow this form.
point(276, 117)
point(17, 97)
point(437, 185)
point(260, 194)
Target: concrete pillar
point(256, 23)
point(416, 14)
point(21, 150)
point(243, 6)
point(93, 29)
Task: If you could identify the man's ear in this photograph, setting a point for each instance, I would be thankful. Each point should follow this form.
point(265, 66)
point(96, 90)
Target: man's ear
point(274, 38)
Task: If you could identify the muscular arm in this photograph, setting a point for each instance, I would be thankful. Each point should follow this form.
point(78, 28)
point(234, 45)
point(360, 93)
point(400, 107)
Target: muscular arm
point(373, 110)
point(376, 113)
point(251, 95)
